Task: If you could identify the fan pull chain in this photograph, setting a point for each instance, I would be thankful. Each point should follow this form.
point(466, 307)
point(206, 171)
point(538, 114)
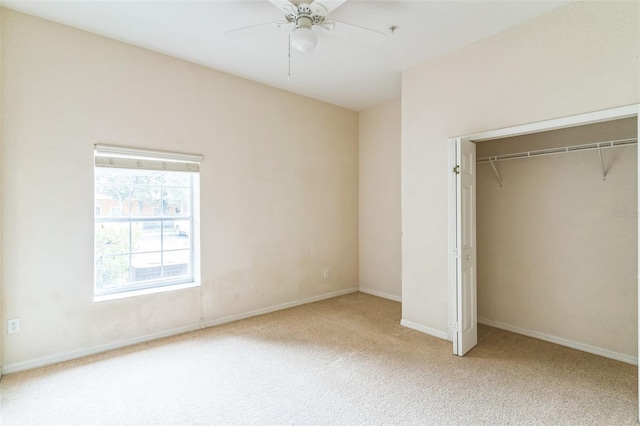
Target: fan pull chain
point(289, 76)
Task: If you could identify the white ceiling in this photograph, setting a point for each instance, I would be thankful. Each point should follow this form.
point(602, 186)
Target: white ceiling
point(340, 71)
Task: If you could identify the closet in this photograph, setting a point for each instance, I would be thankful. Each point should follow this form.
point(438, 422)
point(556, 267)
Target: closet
point(557, 236)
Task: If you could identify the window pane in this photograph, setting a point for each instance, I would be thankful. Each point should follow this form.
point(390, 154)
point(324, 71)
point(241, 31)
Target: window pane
point(146, 267)
point(176, 263)
point(146, 236)
point(112, 176)
point(112, 272)
point(147, 177)
point(178, 179)
point(145, 200)
point(111, 238)
point(113, 199)
point(175, 201)
point(176, 234)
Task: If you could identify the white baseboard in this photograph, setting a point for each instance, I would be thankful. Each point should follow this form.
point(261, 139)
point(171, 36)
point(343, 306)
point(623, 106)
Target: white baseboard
point(67, 356)
point(560, 341)
point(381, 294)
point(421, 328)
point(263, 311)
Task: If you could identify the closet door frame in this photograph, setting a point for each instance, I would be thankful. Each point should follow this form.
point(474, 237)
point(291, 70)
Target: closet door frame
point(454, 287)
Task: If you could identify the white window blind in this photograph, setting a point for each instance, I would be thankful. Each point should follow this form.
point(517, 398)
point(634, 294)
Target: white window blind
point(130, 158)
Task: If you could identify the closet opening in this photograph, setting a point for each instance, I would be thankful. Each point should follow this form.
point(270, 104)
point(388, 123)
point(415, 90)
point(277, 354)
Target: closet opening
point(554, 234)
point(557, 236)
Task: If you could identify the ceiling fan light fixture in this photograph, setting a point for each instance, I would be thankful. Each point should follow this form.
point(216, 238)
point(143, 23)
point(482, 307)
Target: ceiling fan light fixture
point(303, 39)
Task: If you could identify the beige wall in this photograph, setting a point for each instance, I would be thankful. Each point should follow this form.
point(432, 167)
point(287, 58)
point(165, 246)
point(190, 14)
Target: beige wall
point(2, 327)
point(379, 218)
point(557, 245)
point(279, 187)
point(582, 57)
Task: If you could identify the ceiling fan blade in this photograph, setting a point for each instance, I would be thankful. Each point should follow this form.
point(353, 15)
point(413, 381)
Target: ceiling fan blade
point(285, 6)
point(325, 7)
point(326, 25)
point(257, 30)
point(279, 24)
point(354, 32)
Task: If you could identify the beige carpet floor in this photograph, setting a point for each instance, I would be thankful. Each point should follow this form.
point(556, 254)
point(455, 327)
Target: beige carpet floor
point(340, 361)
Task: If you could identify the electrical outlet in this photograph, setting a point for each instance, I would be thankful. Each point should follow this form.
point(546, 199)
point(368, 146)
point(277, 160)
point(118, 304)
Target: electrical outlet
point(326, 274)
point(13, 326)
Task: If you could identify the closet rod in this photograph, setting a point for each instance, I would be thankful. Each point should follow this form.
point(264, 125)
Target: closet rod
point(563, 150)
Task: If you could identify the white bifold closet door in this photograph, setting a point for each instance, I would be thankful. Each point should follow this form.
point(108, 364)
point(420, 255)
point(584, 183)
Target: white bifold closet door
point(466, 327)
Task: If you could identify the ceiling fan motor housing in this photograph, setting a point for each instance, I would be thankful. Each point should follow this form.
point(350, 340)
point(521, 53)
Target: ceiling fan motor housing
point(303, 14)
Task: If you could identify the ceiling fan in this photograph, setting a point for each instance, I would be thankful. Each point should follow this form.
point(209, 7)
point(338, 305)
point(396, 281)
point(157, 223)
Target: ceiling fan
point(303, 16)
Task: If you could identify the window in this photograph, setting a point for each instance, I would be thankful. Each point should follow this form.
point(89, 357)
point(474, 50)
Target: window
point(149, 238)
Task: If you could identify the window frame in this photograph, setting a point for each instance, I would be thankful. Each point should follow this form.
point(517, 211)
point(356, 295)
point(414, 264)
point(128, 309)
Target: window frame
point(123, 158)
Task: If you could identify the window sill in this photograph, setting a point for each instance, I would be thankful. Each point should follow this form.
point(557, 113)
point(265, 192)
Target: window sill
point(127, 294)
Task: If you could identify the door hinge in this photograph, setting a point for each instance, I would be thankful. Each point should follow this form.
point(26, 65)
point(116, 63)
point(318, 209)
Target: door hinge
point(456, 170)
point(456, 253)
point(456, 327)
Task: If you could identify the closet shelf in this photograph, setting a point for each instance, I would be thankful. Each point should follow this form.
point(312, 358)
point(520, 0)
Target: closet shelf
point(563, 150)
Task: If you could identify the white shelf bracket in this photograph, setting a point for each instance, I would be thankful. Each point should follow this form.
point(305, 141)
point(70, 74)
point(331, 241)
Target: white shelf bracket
point(496, 172)
point(604, 172)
